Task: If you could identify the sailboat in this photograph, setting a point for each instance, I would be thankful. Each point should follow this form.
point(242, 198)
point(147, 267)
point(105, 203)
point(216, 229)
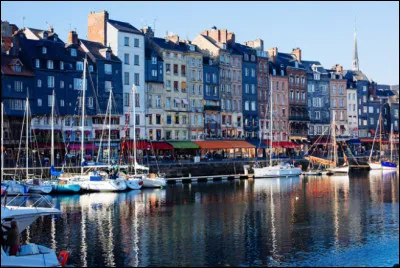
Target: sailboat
point(149, 180)
point(12, 187)
point(92, 180)
point(281, 170)
point(390, 165)
point(332, 165)
point(58, 184)
point(35, 185)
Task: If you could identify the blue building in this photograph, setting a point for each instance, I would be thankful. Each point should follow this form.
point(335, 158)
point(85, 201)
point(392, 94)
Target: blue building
point(212, 98)
point(318, 97)
point(249, 90)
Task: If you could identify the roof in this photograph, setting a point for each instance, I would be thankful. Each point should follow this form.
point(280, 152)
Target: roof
point(167, 44)
point(244, 49)
point(7, 61)
point(183, 145)
point(95, 48)
point(384, 91)
point(223, 144)
point(39, 33)
point(124, 27)
point(148, 52)
point(357, 75)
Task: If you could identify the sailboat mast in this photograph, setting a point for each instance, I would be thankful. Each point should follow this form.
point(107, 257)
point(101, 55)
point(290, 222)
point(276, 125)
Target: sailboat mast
point(380, 136)
point(134, 128)
point(2, 141)
point(270, 125)
point(83, 115)
point(391, 142)
point(335, 160)
point(109, 127)
point(26, 136)
point(52, 130)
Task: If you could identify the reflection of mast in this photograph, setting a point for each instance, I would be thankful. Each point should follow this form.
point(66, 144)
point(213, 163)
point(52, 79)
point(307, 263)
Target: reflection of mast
point(83, 236)
point(53, 233)
point(273, 231)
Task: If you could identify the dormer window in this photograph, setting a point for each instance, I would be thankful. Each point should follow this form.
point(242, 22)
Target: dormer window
point(91, 68)
point(154, 60)
point(44, 50)
point(44, 35)
point(273, 72)
point(108, 55)
point(17, 68)
point(61, 65)
point(55, 39)
point(73, 52)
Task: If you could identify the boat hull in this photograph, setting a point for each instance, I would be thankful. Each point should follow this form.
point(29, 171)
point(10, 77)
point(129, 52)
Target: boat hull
point(276, 171)
point(389, 166)
point(344, 169)
point(103, 186)
point(375, 165)
point(134, 184)
point(154, 182)
point(14, 188)
point(40, 189)
point(66, 188)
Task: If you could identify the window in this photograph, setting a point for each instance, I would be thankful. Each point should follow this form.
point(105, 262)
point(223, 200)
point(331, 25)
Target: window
point(246, 72)
point(126, 58)
point(39, 102)
point(62, 103)
point(136, 42)
point(126, 41)
point(246, 86)
point(61, 65)
point(18, 86)
point(297, 80)
point(371, 109)
point(154, 73)
point(253, 73)
point(365, 88)
point(341, 104)
point(253, 105)
point(39, 83)
point(107, 86)
point(108, 68)
point(253, 89)
point(136, 80)
point(17, 105)
point(126, 99)
point(77, 83)
point(303, 80)
point(365, 122)
point(50, 81)
point(50, 64)
point(44, 50)
point(49, 100)
point(73, 52)
point(168, 84)
point(137, 121)
point(136, 60)
point(291, 94)
point(37, 63)
point(158, 101)
point(154, 60)
point(126, 78)
point(137, 100)
point(303, 96)
point(334, 103)
point(199, 75)
point(317, 115)
point(371, 120)
point(246, 105)
point(297, 95)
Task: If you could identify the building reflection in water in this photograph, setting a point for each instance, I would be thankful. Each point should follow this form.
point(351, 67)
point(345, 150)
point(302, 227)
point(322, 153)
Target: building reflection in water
point(243, 222)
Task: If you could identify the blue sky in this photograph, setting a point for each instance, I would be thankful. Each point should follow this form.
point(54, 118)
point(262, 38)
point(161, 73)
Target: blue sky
point(323, 30)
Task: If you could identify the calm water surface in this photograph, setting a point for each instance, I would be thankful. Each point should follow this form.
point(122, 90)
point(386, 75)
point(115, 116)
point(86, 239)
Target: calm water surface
point(328, 221)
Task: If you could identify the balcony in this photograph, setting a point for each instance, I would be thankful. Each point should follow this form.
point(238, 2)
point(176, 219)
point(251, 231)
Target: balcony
point(212, 108)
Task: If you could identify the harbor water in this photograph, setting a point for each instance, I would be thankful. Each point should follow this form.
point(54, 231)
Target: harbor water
point(315, 221)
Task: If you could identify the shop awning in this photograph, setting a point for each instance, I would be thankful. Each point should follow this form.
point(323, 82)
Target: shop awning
point(89, 146)
point(372, 131)
point(161, 146)
point(258, 144)
point(223, 144)
point(184, 145)
point(282, 144)
point(140, 145)
point(371, 140)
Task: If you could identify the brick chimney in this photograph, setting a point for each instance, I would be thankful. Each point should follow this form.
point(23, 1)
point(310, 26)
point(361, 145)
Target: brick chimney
point(148, 32)
point(51, 29)
point(72, 38)
point(173, 38)
point(297, 53)
point(231, 38)
point(97, 23)
point(338, 68)
point(272, 53)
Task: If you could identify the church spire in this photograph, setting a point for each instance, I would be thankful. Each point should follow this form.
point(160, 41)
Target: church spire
point(355, 56)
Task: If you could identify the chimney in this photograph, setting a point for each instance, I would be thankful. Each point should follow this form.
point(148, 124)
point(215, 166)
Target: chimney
point(72, 38)
point(338, 68)
point(97, 23)
point(223, 36)
point(148, 32)
point(272, 53)
point(297, 53)
point(173, 38)
point(51, 29)
point(231, 38)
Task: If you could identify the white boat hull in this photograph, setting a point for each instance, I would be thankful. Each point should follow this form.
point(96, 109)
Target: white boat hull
point(107, 185)
point(14, 188)
point(276, 171)
point(375, 166)
point(344, 169)
point(154, 182)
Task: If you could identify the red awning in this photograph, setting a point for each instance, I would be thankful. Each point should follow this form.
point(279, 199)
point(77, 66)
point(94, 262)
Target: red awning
point(161, 146)
point(282, 144)
point(372, 131)
point(89, 146)
point(145, 145)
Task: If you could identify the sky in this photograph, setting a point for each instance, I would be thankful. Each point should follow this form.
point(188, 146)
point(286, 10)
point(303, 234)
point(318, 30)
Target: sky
point(323, 30)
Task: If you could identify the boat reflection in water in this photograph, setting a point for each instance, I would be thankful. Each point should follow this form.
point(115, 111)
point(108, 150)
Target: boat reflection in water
point(324, 220)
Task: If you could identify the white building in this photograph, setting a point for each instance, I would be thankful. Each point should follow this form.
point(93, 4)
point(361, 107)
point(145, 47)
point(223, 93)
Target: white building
point(352, 115)
point(127, 43)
